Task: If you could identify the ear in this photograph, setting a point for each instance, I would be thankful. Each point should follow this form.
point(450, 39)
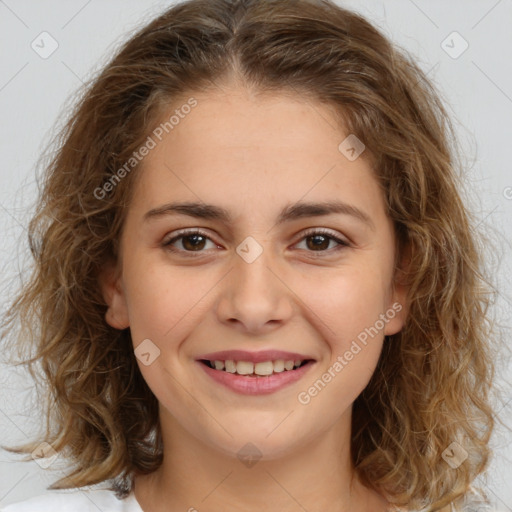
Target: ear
point(114, 295)
point(398, 306)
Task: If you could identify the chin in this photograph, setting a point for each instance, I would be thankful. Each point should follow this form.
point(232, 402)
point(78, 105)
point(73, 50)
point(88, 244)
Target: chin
point(255, 444)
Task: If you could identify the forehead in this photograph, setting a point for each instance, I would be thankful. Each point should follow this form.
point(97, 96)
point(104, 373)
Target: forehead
point(238, 147)
point(240, 120)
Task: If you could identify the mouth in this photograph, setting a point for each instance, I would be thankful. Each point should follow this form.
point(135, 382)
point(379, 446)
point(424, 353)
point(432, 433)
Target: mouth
point(250, 373)
point(255, 370)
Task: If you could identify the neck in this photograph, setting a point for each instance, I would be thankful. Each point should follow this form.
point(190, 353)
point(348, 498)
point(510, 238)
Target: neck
point(196, 476)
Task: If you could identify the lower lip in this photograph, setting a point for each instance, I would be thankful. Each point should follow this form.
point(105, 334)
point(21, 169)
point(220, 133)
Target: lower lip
point(256, 385)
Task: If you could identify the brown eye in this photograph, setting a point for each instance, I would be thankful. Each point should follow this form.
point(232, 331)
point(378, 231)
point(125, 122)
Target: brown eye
point(320, 241)
point(317, 242)
point(192, 241)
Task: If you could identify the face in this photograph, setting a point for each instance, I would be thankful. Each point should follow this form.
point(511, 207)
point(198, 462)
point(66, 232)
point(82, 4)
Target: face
point(257, 278)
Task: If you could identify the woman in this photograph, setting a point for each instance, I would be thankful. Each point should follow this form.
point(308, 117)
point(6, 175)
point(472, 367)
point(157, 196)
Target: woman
point(256, 283)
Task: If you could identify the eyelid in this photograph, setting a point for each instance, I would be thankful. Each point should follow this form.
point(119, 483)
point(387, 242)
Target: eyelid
point(325, 231)
point(184, 232)
point(166, 243)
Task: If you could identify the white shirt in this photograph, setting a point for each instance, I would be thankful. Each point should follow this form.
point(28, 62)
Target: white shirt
point(92, 500)
point(76, 501)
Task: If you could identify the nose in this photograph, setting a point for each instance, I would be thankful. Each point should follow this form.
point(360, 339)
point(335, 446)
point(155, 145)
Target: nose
point(254, 297)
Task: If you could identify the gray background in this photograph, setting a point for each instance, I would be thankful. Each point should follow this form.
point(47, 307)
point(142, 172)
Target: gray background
point(476, 86)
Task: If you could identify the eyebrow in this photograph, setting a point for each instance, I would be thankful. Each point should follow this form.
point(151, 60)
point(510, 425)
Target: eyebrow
point(288, 213)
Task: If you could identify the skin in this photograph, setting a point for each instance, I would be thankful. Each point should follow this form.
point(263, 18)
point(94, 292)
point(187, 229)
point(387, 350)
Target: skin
point(253, 155)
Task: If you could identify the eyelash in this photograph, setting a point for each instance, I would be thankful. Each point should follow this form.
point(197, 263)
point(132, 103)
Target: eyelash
point(194, 254)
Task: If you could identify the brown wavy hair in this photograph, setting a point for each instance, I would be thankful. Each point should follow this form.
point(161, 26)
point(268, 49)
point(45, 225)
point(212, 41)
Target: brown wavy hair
point(433, 382)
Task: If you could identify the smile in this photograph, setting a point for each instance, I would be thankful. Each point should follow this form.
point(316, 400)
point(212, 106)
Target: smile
point(251, 369)
point(248, 378)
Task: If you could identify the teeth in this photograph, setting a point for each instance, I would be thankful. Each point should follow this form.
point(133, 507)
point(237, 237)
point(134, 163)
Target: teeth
point(263, 368)
point(230, 366)
point(279, 366)
point(266, 368)
point(244, 368)
point(288, 365)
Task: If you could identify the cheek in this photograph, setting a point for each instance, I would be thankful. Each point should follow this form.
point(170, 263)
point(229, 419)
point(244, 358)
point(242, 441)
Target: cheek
point(165, 306)
point(344, 303)
point(161, 298)
point(347, 315)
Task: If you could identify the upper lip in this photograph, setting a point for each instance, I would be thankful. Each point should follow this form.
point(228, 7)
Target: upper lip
point(253, 357)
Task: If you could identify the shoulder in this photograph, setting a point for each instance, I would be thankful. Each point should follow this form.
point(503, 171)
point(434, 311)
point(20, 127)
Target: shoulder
point(78, 500)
